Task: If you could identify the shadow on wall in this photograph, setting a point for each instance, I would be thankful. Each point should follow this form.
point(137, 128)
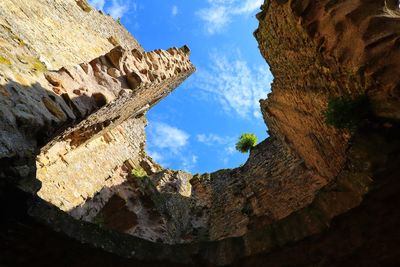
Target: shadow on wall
point(23, 241)
point(138, 208)
point(30, 116)
point(372, 240)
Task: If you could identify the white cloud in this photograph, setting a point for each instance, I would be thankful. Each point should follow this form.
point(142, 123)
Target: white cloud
point(248, 6)
point(230, 149)
point(220, 12)
point(98, 4)
point(224, 155)
point(215, 18)
point(188, 163)
point(165, 136)
point(156, 156)
point(174, 10)
point(235, 85)
point(168, 145)
point(213, 139)
point(225, 145)
point(116, 8)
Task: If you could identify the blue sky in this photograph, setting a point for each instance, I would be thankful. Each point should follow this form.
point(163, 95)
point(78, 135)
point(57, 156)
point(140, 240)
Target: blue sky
point(196, 127)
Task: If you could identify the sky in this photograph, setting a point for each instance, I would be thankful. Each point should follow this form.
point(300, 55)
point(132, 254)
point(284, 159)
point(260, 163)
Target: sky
point(196, 127)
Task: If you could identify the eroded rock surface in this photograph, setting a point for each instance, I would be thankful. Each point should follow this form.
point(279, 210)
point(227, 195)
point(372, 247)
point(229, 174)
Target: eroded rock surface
point(98, 186)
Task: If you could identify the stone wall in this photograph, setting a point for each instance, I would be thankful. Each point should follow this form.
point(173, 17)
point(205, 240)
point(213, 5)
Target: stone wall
point(324, 50)
point(37, 36)
point(285, 173)
point(127, 83)
point(363, 37)
point(89, 118)
point(74, 177)
point(59, 32)
point(122, 83)
point(303, 82)
point(272, 184)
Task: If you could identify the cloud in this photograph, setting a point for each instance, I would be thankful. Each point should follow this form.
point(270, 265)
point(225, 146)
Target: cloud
point(230, 149)
point(156, 156)
point(224, 145)
point(213, 139)
point(236, 86)
point(225, 155)
point(174, 10)
point(98, 4)
point(165, 136)
point(219, 14)
point(216, 18)
point(188, 163)
point(116, 8)
point(168, 146)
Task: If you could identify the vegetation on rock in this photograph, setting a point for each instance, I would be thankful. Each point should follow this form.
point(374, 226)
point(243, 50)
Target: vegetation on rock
point(246, 142)
point(4, 61)
point(346, 112)
point(139, 173)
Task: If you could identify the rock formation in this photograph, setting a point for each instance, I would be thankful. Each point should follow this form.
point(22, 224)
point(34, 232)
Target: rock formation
point(72, 120)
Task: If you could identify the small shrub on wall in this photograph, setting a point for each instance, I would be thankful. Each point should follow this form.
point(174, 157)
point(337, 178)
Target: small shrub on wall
point(246, 142)
point(139, 173)
point(346, 112)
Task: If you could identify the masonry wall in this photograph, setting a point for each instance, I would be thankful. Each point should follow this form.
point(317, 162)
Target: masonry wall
point(127, 83)
point(37, 36)
point(293, 185)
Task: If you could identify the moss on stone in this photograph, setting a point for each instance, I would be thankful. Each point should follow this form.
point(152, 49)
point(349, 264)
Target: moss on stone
point(139, 172)
point(38, 66)
point(4, 61)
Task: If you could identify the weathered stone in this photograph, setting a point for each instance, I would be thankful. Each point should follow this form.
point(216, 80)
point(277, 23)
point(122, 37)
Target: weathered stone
point(84, 5)
point(102, 188)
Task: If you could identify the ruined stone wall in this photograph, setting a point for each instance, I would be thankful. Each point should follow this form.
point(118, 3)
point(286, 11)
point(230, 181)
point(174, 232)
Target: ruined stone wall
point(37, 36)
point(59, 32)
point(128, 83)
point(73, 177)
point(92, 112)
point(293, 184)
point(124, 83)
point(320, 50)
point(303, 82)
point(271, 185)
point(362, 36)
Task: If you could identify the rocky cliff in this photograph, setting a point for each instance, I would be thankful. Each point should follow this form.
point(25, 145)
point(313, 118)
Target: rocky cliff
point(72, 134)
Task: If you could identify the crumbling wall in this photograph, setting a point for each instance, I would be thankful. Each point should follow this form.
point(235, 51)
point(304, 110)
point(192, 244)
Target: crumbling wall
point(60, 32)
point(37, 36)
point(73, 177)
point(128, 83)
point(303, 82)
point(293, 184)
point(271, 185)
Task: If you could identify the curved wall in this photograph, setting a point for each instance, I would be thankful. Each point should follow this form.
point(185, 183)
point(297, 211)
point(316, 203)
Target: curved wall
point(293, 184)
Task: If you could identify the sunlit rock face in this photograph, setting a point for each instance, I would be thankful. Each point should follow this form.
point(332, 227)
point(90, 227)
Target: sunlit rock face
point(73, 105)
point(122, 102)
point(37, 36)
point(333, 48)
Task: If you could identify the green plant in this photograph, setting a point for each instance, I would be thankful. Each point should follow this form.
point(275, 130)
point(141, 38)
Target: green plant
point(38, 66)
point(119, 21)
point(246, 142)
point(4, 61)
point(139, 173)
point(346, 112)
